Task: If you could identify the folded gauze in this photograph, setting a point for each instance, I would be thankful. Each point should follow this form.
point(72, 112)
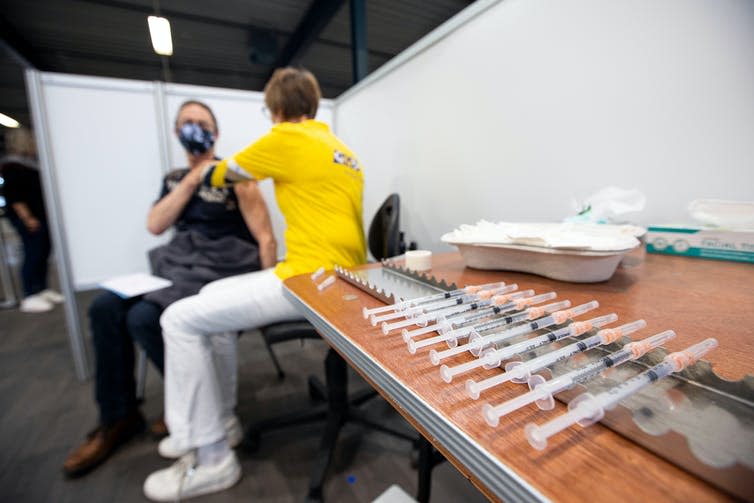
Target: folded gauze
point(579, 236)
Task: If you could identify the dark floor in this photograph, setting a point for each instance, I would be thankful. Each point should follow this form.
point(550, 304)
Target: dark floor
point(46, 412)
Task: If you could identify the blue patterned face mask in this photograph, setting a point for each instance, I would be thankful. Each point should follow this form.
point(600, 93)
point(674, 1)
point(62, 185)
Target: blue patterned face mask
point(195, 139)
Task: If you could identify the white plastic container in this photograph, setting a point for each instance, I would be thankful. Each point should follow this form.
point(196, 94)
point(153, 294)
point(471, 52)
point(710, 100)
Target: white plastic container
point(575, 266)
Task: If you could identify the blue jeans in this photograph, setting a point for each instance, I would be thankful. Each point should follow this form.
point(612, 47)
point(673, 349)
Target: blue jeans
point(116, 324)
point(36, 252)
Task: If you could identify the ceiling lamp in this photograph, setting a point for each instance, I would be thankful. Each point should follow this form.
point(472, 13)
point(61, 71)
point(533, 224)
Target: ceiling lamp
point(159, 30)
point(8, 121)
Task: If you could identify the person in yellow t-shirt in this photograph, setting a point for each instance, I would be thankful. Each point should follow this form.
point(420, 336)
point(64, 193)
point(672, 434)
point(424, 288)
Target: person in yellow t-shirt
point(319, 187)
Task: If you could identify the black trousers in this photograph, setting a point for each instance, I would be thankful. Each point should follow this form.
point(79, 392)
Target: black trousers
point(36, 253)
point(116, 324)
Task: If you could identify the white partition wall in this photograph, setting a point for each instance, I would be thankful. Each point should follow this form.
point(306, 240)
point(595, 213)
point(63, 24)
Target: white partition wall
point(514, 107)
point(104, 137)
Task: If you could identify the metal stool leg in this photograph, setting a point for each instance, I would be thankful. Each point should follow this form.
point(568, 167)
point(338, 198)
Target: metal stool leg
point(141, 372)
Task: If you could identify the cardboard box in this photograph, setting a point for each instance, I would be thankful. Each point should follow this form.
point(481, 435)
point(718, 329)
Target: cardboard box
point(689, 241)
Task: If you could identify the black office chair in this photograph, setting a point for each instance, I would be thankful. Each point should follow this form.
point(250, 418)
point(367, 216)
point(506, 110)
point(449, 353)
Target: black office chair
point(385, 240)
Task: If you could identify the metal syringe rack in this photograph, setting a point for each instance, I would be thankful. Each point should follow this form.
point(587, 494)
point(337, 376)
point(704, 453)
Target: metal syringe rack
point(694, 419)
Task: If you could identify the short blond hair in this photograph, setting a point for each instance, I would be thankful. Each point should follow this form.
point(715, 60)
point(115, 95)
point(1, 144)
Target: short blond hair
point(20, 141)
point(292, 93)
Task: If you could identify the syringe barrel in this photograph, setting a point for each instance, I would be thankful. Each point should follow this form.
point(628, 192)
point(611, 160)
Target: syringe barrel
point(560, 354)
point(588, 371)
point(611, 397)
point(435, 297)
point(514, 332)
point(457, 320)
point(529, 344)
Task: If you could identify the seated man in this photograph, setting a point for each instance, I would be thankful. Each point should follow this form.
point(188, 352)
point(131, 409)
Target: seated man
point(319, 188)
point(219, 232)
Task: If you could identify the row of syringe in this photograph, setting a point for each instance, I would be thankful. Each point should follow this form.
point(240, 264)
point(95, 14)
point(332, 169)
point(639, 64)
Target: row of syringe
point(489, 315)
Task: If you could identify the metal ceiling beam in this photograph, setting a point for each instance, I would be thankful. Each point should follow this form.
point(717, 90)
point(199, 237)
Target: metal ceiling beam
point(176, 68)
point(174, 14)
point(359, 51)
point(318, 16)
point(15, 45)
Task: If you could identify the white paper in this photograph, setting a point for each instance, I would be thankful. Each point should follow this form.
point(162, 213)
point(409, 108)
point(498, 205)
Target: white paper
point(131, 285)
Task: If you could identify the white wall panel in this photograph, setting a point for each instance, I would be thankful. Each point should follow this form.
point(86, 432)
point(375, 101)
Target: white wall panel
point(534, 102)
point(103, 135)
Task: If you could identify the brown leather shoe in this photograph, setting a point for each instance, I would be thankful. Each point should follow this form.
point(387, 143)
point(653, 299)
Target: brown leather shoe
point(100, 443)
point(159, 429)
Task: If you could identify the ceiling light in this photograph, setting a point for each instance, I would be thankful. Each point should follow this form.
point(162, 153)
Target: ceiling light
point(159, 30)
point(8, 121)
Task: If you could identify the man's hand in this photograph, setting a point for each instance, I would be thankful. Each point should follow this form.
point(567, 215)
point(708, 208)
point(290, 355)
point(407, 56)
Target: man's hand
point(32, 224)
point(195, 176)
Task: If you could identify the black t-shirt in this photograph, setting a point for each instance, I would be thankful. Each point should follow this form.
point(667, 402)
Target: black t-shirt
point(22, 186)
point(214, 212)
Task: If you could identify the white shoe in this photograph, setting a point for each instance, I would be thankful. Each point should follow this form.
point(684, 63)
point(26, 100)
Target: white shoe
point(52, 296)
point(186, 479)
point(35, 304)
point(233, 431)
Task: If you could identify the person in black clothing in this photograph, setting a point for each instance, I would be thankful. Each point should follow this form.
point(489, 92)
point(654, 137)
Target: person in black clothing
point(26, 211)
point(219, 233)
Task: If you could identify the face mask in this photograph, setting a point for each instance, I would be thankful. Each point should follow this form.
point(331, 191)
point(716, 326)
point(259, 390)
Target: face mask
point(195, 139)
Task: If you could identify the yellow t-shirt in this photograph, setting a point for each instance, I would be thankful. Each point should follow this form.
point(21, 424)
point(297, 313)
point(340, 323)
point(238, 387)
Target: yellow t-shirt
point(319, 188)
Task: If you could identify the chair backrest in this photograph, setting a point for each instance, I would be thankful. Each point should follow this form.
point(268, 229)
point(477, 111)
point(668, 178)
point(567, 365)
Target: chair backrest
point(384, 232)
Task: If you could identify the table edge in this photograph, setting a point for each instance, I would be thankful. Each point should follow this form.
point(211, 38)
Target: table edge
point(500, 479)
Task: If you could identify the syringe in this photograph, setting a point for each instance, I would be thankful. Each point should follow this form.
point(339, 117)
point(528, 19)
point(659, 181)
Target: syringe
point(492, 358)
point(418, 312)
point(429, 298)
point(413, 312)
point(586, 409)
point(499, 304)
point(479, 342)
point(542, 391)
point(539, 320)
point(477, 301)
point(451, 338)
point(503, 303)
point(519, 372)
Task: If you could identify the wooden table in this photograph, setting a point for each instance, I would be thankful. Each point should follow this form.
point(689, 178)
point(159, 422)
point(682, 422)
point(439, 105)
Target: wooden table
point(696, 298)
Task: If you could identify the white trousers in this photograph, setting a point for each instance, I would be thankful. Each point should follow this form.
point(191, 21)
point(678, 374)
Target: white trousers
point(200, 334)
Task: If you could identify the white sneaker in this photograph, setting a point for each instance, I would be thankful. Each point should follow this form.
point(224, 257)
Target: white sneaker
point(52, 296)
point(35, 304)
point(186, 479)
point(233, 430)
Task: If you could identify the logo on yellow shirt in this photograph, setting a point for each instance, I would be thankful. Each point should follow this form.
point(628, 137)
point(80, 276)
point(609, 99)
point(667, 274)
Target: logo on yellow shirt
point(346, 160)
